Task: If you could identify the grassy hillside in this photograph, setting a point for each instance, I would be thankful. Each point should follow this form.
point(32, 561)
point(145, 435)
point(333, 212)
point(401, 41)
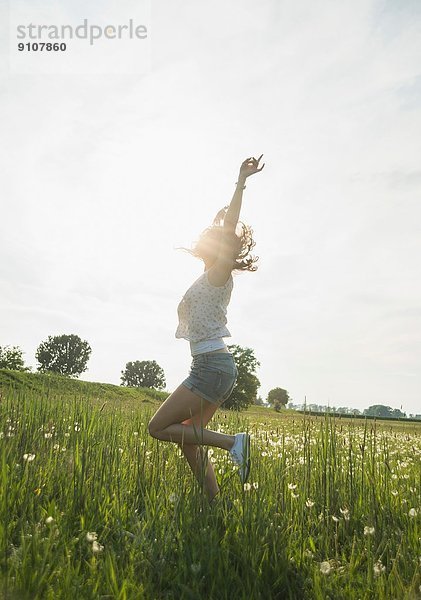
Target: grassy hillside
point(53, 385)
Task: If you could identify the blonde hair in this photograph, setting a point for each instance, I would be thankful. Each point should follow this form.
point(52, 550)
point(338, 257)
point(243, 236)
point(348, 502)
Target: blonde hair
point(243, 259)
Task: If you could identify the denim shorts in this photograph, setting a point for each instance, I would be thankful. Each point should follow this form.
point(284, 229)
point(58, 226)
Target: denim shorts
point(212, 376)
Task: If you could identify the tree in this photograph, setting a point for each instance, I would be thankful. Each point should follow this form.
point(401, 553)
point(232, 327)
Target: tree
point(145, 373)
point(379, 410)
point(64, 354)
point(11, 358)
point(244, 393)
point(278, 397)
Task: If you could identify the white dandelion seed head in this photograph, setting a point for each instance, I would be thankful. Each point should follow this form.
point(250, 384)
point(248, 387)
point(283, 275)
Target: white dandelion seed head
point(378, 568)
point(96, 547)
point(309, 503)
point(325, 567)
point(28, 457)
point(91, 536)
point(292, 486)
point(195, 567)
point(413, 512)
point(49, 520)
point(247, 487)
point(369, 530)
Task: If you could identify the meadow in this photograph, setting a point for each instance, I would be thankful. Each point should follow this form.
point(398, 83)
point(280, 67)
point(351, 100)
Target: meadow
point(93, 507)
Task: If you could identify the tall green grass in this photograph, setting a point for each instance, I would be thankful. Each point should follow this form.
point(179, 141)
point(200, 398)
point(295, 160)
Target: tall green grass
point(100, 509)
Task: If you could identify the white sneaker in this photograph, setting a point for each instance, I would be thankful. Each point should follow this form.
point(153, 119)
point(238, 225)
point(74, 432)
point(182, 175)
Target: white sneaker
point(240, 454)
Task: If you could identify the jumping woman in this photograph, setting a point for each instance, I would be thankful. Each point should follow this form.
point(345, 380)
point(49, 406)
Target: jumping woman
point(202, 321)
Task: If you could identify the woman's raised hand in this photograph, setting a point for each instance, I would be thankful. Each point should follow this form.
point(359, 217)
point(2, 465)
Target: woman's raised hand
point(250, 167)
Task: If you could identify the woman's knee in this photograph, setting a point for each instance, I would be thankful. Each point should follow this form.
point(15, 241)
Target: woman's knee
point(153, 429)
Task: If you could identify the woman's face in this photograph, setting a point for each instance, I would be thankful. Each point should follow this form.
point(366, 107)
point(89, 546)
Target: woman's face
point(208, 246)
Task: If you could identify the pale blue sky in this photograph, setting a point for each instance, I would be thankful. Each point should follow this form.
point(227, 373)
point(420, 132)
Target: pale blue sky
point(104, 175)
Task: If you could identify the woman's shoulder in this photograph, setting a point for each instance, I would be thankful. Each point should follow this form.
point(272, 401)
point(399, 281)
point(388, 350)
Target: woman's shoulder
point(215, 278)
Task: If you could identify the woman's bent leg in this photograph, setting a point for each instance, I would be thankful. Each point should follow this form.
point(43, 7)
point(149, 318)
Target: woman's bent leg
point(195, 454)
point(182, 404)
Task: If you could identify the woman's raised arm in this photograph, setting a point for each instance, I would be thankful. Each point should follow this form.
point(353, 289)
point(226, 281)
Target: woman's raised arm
point(248, 167)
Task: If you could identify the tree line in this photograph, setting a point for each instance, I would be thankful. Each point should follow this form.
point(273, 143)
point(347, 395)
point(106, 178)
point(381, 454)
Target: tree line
point(68, 355)
point(375, 410)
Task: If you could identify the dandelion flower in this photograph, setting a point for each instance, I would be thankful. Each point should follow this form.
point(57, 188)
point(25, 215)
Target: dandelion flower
point(369, 530)
point(378, 568)
point(91, 536)
point(325, 567)
point(96, 547)
point(345, 513)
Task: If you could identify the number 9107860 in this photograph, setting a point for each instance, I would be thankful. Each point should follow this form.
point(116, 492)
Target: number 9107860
point(42, 46)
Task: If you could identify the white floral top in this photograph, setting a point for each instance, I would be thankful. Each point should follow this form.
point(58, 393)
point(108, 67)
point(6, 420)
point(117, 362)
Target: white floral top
point(202, 312)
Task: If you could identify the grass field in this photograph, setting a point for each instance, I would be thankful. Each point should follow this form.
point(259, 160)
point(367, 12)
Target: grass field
point(93, 507)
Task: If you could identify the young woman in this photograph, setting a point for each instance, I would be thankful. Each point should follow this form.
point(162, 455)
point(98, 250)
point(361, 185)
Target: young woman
point(202, 321)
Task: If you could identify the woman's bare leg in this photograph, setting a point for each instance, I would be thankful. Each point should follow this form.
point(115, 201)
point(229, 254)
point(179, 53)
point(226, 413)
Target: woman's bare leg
point(182, 404)
point(193, 434)
point(200, 412)
point(204, 473)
